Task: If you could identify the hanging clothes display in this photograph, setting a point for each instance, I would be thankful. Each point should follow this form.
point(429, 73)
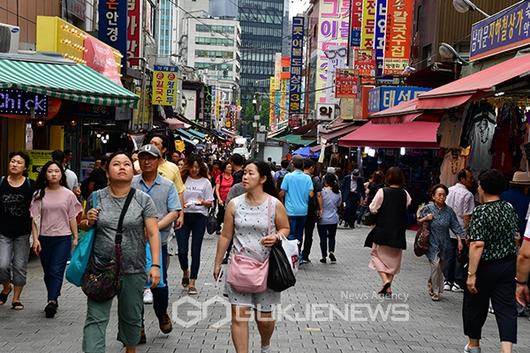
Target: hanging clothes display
point(453, 163)
point(481, 139)
point(469, 121)
point(450, 129)
point(508, 138)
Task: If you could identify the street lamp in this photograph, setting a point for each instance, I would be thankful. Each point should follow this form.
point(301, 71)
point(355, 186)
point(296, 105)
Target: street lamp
point(448, 52)
point(464, 6)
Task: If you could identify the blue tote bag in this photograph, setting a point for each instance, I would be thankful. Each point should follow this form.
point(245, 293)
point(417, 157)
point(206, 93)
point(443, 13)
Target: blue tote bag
point(82, 253)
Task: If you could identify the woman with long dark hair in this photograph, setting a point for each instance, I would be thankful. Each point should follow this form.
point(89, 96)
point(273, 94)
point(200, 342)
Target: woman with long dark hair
point(198, 198)
point(247, 222)
point(329, 217)
point(387, 238)
point(54, 209)
point(15, 228)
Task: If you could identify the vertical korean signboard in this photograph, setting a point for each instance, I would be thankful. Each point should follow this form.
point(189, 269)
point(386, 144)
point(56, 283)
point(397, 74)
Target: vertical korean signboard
point(333, 33)
point(356, 21)
point(295, 81)
point(380, 31)
point(134, 20)
point(398, 36)
point(272, 102)
point(164, 85)
point(368, 24)
point(113, 25)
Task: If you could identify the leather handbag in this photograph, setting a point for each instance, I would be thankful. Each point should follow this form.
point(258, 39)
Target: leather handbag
point(101, 281)
point(82, 253)
point(247, 274)
point(421, 241)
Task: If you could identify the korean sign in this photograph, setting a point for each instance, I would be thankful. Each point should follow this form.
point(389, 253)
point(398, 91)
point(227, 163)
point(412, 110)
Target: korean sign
point(364, 64)
point(506, 30)
point(384, 97)
point(134, 20)
point(18, 102)
point(380, 30)
point(113, 25)
point(368, 24)
point(164, 85)
point(356, 16)
point(295, 83)
point(398, 36)
point(333, 33)
point(346, 83)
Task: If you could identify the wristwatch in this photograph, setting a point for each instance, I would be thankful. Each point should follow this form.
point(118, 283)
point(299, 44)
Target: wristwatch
point(520, 282)
point(469, 274)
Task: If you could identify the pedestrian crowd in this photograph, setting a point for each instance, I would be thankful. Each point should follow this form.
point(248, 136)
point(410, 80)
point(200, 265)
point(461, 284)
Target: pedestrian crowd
point(141, 206)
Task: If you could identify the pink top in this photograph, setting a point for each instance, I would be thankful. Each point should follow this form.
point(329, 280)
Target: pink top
point(58, 208)
point(378, 200)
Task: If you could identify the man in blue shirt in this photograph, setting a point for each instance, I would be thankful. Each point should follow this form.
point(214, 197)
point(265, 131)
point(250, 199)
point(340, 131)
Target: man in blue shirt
point(166, 199)
point(296, 189)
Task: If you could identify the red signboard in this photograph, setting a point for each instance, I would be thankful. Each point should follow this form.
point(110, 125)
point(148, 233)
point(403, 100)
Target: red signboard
point(398, 36)
point(346, 83)
point(364, 62)
point(100, 57)
point(134, 21)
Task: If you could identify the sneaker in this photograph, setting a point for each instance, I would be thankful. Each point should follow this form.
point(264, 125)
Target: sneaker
point(305, 261)
point(165, 324)
point(323, 261)
point(447, 286)
point(332, 258)
point(192, 291)
point(148, 296)
point(468, 349)
point(51, 309)
point(456, 288)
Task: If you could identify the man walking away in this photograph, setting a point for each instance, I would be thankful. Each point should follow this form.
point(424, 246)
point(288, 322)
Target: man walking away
point(295, 188)
point(314, 210)
point(352, 193)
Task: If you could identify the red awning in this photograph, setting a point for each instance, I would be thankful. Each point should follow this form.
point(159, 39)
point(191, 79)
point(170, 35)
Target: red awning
point(405, 107)
point(439, 103)
point(484, 80)
point(330, 135)
point(416, 134)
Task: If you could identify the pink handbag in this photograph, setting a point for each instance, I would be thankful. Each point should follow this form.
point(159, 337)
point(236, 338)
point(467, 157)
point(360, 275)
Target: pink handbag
point(246, 274)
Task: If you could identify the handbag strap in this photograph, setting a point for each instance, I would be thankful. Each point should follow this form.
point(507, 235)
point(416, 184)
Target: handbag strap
point(269, 211)
point(119, 231)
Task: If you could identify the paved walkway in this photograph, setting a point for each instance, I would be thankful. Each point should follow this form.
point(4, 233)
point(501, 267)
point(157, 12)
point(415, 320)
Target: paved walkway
point(333, 308)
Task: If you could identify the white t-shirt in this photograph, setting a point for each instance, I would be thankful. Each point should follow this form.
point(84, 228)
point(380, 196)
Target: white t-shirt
point(197, 189)
point(71, 179)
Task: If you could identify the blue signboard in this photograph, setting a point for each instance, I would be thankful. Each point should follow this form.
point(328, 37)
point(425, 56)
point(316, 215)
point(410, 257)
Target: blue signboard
point(506, 30)
point(380, 30)
point(384, 97)
point(113, 25)
point(18, 102)
point(297, 53)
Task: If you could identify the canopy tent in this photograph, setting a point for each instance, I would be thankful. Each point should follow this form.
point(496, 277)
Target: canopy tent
point(416, 134)
point(297, 140)
point(306, 152)
point(70, 81)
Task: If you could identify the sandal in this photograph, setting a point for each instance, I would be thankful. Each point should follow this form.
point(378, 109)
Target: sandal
point(192, 291)
point(185, 282)
point(17, 306)
point(385, 288)
point(3, 296)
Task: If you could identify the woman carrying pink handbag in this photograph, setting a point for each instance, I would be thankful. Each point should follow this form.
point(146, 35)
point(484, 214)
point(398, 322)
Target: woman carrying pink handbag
point(255, 221)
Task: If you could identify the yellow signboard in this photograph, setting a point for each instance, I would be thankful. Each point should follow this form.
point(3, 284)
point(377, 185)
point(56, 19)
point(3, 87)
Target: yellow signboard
point(37, 159)
point(272, 86)
point(164, 85)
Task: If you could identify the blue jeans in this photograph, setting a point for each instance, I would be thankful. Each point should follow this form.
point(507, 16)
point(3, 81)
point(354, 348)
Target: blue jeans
point(296, 231)
point(194, 224)
point(53, 257)
point(161, 295)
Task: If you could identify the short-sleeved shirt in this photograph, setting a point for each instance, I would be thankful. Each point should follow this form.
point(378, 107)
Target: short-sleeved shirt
point(15, 219)
point(55, 210)
point(165, 197)
point(330, 203)
point(461, 200)
point(495, 223)
point(297, 186)
point(312, 206)
point(197, 189)
point(71, 179)
point(224, 185)
point(170, 171)
point(133, 242)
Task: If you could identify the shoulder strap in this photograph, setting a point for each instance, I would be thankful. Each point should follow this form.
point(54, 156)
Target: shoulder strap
point(269, 212)
point(2, 180)
point(94, 199)
point(122, 215)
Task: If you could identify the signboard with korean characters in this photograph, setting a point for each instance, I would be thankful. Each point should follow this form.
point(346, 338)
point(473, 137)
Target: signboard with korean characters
point(18, 102)
point(346, 82)
point(113, 25)
point(506, 30)
point(398, 37)
point(384, 97)
point(164, 85)
point(134, 21)
point(295, 83)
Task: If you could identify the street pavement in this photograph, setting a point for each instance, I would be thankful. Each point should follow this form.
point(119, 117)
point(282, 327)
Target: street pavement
point(333, 308)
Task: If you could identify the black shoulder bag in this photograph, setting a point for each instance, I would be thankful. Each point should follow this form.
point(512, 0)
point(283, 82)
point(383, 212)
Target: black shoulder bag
point(101, 282)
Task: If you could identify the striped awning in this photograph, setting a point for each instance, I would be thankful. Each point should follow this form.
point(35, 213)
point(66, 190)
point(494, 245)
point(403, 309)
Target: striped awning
point(75, 82)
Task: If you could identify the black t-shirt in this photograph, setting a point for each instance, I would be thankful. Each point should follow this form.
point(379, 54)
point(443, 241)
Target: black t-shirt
point(99, 177)
point(238, 177)
point(15, 219)
point(313, 201)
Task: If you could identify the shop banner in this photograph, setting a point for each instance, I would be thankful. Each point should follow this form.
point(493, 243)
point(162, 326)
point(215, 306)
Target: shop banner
point(380, 31)
point(333, 35)
point(384, 97)
point(164, 85)
point(100, 57)
point(134, 21)
point(364, 63)
point(295, 83)
point(398, 37)
point(272, 116)
point(113, 25)
point(37, 160)
point(346, 83)
point(368, 24)
point(356, 22)
point(503, 31)
point(18, 102)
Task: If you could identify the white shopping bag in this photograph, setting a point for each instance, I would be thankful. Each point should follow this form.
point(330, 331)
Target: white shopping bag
point(291, 250)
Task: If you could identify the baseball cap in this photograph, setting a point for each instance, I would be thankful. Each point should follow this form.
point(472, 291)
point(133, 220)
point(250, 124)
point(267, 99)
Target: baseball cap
point(151, 149)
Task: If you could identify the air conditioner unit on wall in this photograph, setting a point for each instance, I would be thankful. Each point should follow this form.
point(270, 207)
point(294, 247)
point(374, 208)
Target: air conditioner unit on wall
point(9, 38)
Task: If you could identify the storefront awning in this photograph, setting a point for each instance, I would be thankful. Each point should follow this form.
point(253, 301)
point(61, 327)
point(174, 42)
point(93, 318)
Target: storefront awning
point(335, 133)
point(297, 140)
point(416, 134)
point(199, 134)
point(75, 82)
